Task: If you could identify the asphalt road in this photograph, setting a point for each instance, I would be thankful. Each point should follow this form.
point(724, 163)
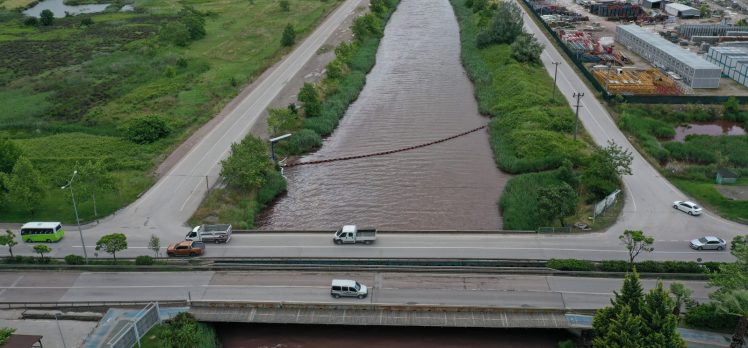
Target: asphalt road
point(314, 287)
point(164, 209)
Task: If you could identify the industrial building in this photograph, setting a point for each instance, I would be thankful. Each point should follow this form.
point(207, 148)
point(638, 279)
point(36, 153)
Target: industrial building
point(732, 60)
point(688, 30)
point(680, 10)
point(696, 72)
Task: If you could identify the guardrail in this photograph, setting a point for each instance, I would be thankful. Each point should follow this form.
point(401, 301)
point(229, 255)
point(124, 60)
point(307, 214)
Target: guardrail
point(86, 304)
point(330, 232)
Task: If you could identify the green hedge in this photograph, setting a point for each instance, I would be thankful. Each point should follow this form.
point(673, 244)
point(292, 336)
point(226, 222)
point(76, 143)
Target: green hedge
point(707, 316)
point(623, 266)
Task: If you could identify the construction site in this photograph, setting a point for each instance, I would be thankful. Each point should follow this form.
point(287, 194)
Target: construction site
point(652, 47)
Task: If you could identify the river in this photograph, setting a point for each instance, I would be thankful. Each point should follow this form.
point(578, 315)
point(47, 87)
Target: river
point(417, 92)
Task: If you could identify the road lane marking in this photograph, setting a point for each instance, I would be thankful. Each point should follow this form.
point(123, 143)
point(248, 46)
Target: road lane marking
point(449, 247)
point(12, 285)
point(161, 286)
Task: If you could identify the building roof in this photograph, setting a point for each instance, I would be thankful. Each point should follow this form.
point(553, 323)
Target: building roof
point(23, 341)
point(726, 173)
point(40, 225)
point(687, 57)
point(680, 7)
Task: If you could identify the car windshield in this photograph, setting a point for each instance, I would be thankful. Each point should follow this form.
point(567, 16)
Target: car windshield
point(358, 286)
point(703, 240)
point(696, 206)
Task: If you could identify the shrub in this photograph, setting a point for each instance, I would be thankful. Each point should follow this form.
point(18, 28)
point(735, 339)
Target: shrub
point(143, 260)
point(47, 17)
point(74, 260)
point(570, 265)
point(707, 316)
point(274, 185)
point(31, 21)
point(304, 141)
point(614, 266)
point(87, 21)
point(289, 36)
point(147, 129)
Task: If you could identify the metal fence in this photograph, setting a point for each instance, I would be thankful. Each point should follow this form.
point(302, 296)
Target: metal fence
point(131, 334)
point(638, 99)
point(566, 229)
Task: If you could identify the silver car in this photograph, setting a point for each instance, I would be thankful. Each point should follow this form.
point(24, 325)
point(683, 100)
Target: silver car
point(688, 207)
point(708, 243)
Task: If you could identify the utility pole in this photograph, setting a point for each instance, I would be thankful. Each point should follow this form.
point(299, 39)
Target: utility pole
point(555, 73)
point(576, 120)
point(77, 219)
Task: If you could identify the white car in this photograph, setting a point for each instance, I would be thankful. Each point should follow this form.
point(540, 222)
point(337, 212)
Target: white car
point(708, 243)
point(688, 207)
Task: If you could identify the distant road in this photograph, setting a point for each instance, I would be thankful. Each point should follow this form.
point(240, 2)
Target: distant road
point(314, 287)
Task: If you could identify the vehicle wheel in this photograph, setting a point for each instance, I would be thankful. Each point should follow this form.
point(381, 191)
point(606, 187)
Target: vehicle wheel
point(49, 241)
point(690, 213)
point(338, 242)
point(367, 242)
point(699, 248)
point(360, 297)
point(675, 207)
point(719, 248)
point(217, 241)
point(336, 296)
point(193, 254)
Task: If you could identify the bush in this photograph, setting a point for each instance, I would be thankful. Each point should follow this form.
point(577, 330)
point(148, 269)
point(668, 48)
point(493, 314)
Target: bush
point(614, 266)
point(143, 260)
point(274, 185)
point(47, 17)
point(31, 21)
point(707, 316)
point(570, 265)
point(289, 36)
point(304, 141)
point(74, 260)
point(147, 129)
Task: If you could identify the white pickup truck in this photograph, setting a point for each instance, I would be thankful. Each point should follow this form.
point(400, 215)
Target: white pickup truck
point(350, 234)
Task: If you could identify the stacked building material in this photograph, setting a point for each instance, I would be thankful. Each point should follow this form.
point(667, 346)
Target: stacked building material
point(617, 10)
point(688, 30)
point(636, 82)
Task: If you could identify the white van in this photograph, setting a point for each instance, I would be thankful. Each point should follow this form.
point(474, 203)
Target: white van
point(348, 288)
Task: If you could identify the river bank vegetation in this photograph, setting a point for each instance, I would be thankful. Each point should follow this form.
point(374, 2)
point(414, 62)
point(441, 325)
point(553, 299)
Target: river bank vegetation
point(111, 94)
point(531, 134)
point(322, 106)
point(692, 164)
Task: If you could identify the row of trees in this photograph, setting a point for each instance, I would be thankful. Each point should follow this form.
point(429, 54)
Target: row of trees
point(110, 243)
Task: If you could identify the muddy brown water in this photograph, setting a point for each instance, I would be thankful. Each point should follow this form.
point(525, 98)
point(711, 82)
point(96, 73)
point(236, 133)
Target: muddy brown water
point(713, 128)
point(417, 92)
point(321, 336)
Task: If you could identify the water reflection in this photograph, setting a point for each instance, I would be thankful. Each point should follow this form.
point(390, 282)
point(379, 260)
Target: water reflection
point(714, 128)
point(59, 8)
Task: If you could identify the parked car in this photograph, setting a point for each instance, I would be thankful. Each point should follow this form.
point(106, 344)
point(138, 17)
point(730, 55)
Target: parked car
point(348, 288)
point(708, 243)
point(186, 248)
point(688, 207)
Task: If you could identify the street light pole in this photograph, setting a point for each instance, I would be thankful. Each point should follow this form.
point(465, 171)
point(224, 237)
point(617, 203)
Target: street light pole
point(75, 208)
point(555, 73)
point(576, 120)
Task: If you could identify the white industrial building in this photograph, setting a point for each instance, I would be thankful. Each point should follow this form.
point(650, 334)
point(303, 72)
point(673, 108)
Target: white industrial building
point(680, 10)
point(696, 72)
point(732, 60)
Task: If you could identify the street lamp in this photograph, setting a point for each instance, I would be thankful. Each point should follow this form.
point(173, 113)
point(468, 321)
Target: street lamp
point(555, 73)
point(576, 120)
point(272, 144)
point(77, 220)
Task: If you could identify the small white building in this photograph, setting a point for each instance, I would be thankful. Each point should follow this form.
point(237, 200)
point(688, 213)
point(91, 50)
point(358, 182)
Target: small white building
point(680, 10)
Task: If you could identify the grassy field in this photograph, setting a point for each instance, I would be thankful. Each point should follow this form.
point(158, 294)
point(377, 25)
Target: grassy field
point(690, 165)
point(71, 88)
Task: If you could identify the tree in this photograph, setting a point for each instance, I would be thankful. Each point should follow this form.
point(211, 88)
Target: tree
point(526, 48)
point(557, 202)
point(636, 242)
point(47, 17)
point(5, 333)
point(289, 36)
point(9, 154)
point(625, 331)
point(282, 120)
point(366, 26)
point(9, 239)
point(42, 249)
point(505, 26)
point(732, 275)
point(285, 5)
point(25, 186)
point(682, 296)
point(247, 164)
point(309, 96)
point(704, 10)
point(735, 303)
point(194, 21)
point(176, 33)
point(660, 323)
point(617, 158)
point(112, 243)
point(155, 245)
point(146, 129)
point(630, 297)
point(566, 174)
point(95, 178)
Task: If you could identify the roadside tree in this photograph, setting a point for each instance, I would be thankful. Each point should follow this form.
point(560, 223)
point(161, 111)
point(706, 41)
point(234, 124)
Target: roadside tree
point(47, 17)
point(155, 245)
point(282, 120)
point(9, 240)
point(9, 154)
point(629, 297)
point(557, 202)
point(25, 186)
point(247, 164)
point(505, 26)
point(310, 98)
point(732, 275)
point(636, 242)
point(42, 249)
point(95, 178)
point(289, 36)
point(527, 49)
point(112, 243)
point(682, 296)
point(659, 321)
point(735, 303)
point(625, 330)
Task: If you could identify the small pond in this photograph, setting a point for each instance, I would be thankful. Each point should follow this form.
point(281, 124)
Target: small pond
point(59, 8)
point(713, 128)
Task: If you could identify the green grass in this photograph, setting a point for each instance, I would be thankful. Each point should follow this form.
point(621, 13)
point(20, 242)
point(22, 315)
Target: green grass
point(705, 193)
point(72, 87)
point(518, 202)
